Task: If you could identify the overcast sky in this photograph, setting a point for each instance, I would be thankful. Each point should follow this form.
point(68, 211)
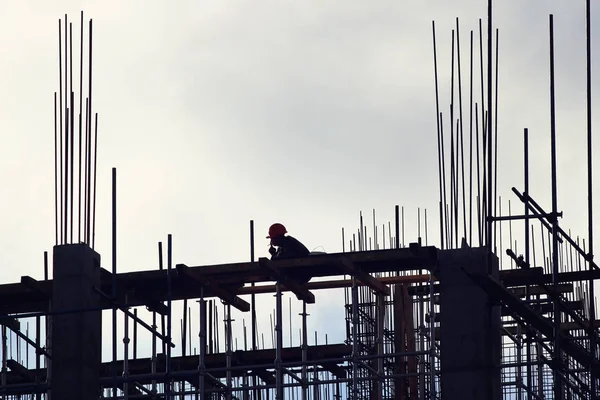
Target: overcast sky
point(305, 113)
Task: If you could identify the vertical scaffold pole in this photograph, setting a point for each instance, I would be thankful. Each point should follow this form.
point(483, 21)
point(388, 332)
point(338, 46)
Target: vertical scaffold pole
point(169, 315)
point(304, 353)
point(202, 350)
point(4, 347)
point(126, 353)
point(279, 344)
point(380, 328)
point(228, 352)
point(354, 389)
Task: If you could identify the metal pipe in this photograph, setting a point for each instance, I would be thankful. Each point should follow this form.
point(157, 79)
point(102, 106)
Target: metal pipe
point(228, 350)
point(126, 353)
point(202, 350)
point(135, 333)
point(183, 334)
point(354, 388)
point(279, 342)
point(380, 345)
point(38, 366)
point(168, 387)
point(114, 279)
point(153, 361)
point(304, 352)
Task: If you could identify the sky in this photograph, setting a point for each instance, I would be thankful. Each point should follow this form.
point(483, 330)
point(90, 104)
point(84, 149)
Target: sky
point(305, 113)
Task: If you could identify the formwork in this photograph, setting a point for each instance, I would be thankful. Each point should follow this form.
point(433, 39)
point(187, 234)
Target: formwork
point(398, 318)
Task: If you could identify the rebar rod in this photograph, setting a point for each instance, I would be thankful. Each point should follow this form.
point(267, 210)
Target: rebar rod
point(527, 260)
point(592, 308)
point(558, 387)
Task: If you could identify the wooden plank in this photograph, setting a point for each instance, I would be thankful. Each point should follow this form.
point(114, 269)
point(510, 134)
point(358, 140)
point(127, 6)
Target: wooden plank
point(227, 297)
point(349, 268)
point(299, 290)
point(19, 369)
point(334, 284)
point(512, 330)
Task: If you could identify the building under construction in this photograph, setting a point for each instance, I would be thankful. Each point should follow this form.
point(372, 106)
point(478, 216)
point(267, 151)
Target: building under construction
point(422, 321)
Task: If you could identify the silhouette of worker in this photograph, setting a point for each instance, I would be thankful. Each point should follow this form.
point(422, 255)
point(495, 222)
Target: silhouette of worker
point(287, 247)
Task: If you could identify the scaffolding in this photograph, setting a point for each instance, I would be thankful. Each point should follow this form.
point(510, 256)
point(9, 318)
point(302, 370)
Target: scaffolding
point(392, 294)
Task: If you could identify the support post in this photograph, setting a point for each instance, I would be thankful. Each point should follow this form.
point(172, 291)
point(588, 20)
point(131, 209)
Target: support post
point(399, 325)
point(409, 327)
point(304, 353)
point(202, 345)
point(354, 388)
point(76, 338)
point(279, 343)
point(470, 327)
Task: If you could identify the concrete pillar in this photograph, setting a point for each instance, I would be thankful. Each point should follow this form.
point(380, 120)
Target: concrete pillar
point(470, 327)
point(76, 337)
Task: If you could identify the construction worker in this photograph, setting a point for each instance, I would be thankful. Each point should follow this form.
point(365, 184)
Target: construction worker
point(287, 247)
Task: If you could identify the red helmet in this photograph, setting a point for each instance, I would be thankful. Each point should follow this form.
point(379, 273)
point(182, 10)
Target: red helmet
point(275, 230)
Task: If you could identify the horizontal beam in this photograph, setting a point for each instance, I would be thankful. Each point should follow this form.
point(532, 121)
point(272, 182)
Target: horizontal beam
point(545, 327)
point(248, 359)
point(150, 287)
point(336, 284)
point(514, 330)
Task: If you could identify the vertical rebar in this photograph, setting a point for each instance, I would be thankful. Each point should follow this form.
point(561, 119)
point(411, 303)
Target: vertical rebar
point(80, 131)
point(558, 385)
point(590, 184)
point(527, 262)
point(489, 133)
point(432, 316)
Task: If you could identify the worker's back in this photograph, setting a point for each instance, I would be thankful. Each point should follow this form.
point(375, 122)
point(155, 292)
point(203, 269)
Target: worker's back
point(290, 247)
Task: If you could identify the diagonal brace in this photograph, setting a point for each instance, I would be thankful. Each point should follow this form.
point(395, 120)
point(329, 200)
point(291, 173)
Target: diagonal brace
point(350, 269)
point(226, 296)
point(299, 290)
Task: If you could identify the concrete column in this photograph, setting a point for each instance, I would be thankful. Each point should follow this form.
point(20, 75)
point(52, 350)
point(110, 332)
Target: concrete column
point(76, 337)
point(470, 327)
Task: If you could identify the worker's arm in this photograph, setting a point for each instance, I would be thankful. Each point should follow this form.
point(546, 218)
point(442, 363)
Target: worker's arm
point(273, 252)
